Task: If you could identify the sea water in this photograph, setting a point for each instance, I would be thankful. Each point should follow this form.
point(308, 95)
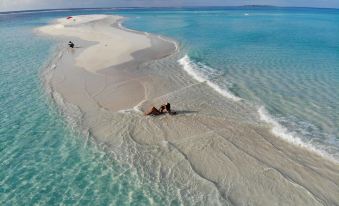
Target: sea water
point(45, 157)
point(283, 61)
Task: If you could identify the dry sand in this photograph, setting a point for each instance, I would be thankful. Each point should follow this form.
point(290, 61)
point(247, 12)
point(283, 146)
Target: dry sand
point(114, 45)
point(214, 152)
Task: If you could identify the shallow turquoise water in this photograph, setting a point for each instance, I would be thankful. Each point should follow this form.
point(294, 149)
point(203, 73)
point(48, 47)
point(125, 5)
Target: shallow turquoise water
point(43, 160)
point(284, 60)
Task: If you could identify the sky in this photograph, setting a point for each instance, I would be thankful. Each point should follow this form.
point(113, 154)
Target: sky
point(14, 5)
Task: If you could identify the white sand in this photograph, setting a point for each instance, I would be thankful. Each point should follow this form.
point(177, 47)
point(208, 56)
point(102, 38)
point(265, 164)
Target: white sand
point(114, 45)
point(214, 152)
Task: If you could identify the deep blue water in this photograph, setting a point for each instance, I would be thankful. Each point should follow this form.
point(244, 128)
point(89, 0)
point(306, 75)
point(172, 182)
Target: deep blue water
point(285, 60)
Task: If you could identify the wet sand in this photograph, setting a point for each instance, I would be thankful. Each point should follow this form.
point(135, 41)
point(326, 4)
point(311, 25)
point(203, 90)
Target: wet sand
point(214, 151)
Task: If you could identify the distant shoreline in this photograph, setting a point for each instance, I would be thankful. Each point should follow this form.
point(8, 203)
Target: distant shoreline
point(199, 8)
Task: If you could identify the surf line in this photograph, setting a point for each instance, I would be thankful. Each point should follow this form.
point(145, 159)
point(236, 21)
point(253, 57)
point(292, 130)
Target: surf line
point(277, 129)
point(282, 132)
point(188, 66)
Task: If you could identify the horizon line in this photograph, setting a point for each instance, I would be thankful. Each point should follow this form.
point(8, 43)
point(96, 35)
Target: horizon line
point(160, 7)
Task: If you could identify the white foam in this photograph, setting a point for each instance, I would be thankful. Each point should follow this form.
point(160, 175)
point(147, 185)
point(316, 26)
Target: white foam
point(124, 111)
point(193, 70)
point(53, 66)
point(277, 129)
point(135, 109)
point(283, 133)
point(170, 41)
point(120, 26)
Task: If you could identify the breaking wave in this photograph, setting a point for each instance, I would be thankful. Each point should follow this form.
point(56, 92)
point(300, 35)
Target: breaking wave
point(204, 73)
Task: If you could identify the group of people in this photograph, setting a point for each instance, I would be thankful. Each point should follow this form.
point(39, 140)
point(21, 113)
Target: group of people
point(162, 110)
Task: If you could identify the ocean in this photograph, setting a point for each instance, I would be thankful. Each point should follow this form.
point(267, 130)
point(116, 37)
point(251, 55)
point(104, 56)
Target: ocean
point(284, 62)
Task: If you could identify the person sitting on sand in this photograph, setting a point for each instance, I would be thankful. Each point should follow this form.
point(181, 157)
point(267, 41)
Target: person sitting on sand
point(154, 111)
point(71, 44)
point(165, 107)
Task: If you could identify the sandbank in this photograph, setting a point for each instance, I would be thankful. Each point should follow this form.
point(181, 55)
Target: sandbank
point(216, 151)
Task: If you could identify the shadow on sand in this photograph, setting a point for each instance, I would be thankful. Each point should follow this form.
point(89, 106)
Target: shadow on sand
point(178, 112)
